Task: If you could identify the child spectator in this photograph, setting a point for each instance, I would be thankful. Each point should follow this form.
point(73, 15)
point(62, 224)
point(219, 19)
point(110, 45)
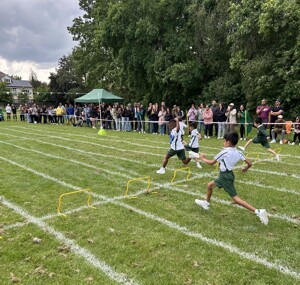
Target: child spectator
point(261, 138)
point(193, 145)
point(296, 126)
point(177, 147)
point(228, 158)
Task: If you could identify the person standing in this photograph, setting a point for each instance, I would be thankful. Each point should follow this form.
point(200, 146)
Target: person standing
point(221, 119)
point(263, 111)
point(245, 127)
point(208, 121)
point(161, 120)
point(200, 110)
point(22, 113)
point(275, 112)
point(8, 112)
point(231, 118)
point(192, 114)
point(214, 107)
point(60, 113)
point(14, 112)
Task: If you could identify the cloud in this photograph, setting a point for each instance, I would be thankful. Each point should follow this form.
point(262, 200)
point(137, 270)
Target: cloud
point(23, 69)
point(34, 32)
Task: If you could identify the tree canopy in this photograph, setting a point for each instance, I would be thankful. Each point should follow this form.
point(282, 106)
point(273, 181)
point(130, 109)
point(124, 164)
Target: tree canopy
point(184, 51)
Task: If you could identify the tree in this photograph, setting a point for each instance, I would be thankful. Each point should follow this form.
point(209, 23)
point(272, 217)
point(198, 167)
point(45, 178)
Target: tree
point(66, 81)
point(264, 37)
point(5, 95)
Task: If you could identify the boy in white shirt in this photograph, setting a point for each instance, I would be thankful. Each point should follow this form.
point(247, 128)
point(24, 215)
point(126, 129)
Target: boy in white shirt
point(177, 147)
point(193, 145)
point(227, 159)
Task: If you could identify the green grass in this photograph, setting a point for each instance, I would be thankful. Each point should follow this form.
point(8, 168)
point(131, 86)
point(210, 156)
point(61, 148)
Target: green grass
point(155, 238)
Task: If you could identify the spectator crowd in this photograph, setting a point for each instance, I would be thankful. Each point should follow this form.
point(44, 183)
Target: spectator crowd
point(213, 119)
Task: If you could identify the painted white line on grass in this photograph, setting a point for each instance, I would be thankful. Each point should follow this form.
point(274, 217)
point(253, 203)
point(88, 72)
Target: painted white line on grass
point(276, 173)
point(78, 250)
point(249, 256)
point(117, 135)
point(93, 144)
point(197, 176)
point(215, 242)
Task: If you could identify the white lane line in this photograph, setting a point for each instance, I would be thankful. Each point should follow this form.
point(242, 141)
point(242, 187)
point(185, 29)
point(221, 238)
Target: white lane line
point(117, 135)
point(215, 242)
point(184, 230)
point(78, 250)
point(171, 186)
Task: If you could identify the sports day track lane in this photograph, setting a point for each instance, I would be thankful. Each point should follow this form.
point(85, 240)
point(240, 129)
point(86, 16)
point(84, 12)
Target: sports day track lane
point(249, 256)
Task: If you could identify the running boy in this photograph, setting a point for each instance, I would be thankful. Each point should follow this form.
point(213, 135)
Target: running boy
point(193, 145)
point(227, 159)
point(177, 147)
point(260, 138)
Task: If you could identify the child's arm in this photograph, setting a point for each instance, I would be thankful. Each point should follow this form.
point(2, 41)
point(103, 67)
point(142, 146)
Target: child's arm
point(177, 125)
point(249, 164)
point(199, 136)
point(204, 159)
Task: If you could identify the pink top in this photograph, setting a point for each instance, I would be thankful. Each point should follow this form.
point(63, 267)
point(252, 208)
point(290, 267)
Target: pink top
point(207, 117)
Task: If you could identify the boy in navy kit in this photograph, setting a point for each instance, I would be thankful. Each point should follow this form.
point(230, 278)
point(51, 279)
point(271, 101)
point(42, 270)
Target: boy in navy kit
point(177, 147)
point(193, 145)
point(227, 159)
point(261, 138)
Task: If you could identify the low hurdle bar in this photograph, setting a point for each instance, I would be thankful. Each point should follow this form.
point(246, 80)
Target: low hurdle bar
point(183, 168)
point(72, 193)
point(138, 179)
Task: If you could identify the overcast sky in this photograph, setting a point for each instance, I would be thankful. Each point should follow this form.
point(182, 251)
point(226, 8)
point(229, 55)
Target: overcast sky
point(34, 35)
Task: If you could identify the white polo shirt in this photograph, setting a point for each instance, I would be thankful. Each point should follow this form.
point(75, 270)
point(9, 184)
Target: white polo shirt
point(228, 158)
point(194, 139)
point(176, 140)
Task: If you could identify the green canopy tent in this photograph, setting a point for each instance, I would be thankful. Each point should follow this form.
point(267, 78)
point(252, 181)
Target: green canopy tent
point(98, 96)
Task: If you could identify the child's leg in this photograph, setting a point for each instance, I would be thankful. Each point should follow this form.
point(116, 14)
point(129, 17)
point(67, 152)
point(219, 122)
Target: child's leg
point(272, 151)
point(243, 203)
point(165, 161)
point(210, 187)
point(186, 161)
point(248, 142)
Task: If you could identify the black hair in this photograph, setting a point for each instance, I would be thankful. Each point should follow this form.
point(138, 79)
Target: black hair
point(193, 125)
point(258, 120)
point(232, 137)
point(171, 122)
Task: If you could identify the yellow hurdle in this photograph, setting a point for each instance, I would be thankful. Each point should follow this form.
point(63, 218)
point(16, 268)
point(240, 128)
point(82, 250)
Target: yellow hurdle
point(184, 168)
point(71, 193)
point(277, 150)
point(138, 179)
point(217, 166)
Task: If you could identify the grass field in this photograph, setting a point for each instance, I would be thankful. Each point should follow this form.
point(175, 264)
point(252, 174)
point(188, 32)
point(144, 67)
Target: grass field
point(146, 238)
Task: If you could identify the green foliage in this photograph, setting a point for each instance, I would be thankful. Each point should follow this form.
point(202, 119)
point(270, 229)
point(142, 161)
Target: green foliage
point(23, 97)
point(264, 38)
point(183, 51)
point(5, 95)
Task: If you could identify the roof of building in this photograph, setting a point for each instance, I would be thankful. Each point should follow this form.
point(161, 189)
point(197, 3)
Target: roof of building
point(16, 83)
point(20, 83)
point(2, 74)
